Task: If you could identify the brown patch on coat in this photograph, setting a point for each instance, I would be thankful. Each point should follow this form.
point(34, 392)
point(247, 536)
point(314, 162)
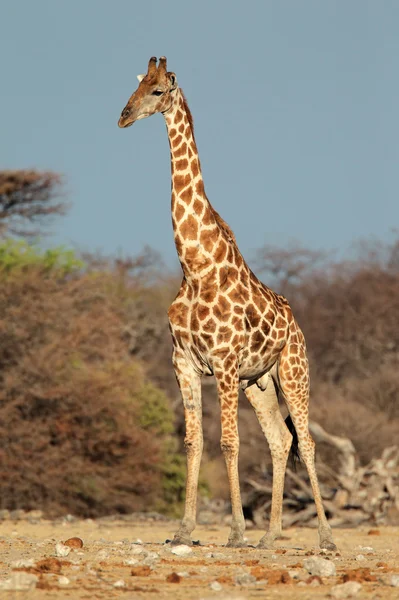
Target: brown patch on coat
point(189, 228)
point(180, 182)
point(178, 313)
point(181, 151)
point(187, 195)
point(182, 164)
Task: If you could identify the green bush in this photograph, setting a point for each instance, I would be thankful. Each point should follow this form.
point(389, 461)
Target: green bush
point(18, 255)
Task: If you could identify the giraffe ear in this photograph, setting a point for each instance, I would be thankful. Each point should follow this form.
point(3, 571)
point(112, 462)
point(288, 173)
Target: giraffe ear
point(173, 82)
point(141, 77)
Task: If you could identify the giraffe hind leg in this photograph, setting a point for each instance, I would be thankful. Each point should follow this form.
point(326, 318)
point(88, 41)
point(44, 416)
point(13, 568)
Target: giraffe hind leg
point(293, 377)
point(264, 401)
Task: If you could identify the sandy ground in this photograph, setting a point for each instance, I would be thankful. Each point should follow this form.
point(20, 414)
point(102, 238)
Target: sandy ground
point(113, 564)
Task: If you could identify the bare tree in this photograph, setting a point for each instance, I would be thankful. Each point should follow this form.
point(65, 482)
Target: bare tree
point(288, 267)
point(27, 199)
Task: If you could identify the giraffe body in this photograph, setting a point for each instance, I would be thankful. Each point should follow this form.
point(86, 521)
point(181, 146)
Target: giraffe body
point(225, 322)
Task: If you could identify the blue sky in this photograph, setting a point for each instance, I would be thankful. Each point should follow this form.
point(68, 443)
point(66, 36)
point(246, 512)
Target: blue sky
point(295, 105)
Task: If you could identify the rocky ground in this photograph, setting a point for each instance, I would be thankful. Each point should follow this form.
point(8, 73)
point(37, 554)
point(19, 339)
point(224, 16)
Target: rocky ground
point(127, 558)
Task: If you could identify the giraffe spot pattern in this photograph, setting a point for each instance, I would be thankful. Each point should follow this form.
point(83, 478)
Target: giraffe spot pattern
point(189, 228)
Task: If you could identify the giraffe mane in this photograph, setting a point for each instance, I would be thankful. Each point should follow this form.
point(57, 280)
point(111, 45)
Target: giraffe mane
point(221, 222)
point(188, 111)
point(224, 227)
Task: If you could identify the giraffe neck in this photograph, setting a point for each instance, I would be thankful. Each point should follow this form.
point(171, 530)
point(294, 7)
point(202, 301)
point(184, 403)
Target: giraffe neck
point(194, 219)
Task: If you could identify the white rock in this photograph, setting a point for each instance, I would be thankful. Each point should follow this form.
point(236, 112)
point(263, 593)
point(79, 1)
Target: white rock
point(183, 574)
point(345, 590)
point(20, 581)
point(319, 566)
point(102, 555)
point(138, 541)
point(137, 550)
point(61, 550)
point(21, 563)
point(131, 561)
point(394, 581)
point(62, 580)
point(181, 550)
point(119, 584)
point(244, 578)
point(215, 586)
point(150, 558)
point(366, 548)
point(360, 557)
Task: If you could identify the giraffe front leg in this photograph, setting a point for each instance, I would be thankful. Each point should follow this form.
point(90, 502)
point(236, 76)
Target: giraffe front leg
point(227, 382)
point(190, 386)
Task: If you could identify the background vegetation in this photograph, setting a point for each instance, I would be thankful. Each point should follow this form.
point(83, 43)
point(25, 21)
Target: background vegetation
point(90, 416)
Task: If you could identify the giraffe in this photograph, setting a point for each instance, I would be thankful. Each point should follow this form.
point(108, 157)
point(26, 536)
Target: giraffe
point(226, 323)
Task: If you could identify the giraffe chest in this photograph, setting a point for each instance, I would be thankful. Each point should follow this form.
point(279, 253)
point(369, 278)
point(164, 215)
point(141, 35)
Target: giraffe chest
point(205, 332)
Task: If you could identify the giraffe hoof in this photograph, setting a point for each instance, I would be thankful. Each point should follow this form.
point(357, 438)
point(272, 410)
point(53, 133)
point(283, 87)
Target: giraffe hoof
point(236, 544)
point(179, 540)
point(265, 545)
point(328, 545)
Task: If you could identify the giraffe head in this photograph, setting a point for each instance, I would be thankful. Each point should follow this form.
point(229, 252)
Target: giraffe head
point(155, 93)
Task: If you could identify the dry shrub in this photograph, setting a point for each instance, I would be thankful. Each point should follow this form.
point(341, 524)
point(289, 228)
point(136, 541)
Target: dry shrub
point(82, 430)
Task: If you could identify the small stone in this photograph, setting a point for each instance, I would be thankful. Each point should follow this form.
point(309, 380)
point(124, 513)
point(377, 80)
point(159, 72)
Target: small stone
point(20, 581)
point(74, 542)
point(366, 548)
point(102, 555)
point(17, 515)
point(141, 571)
point(138, 541)
point(216, 586)
point(394, 581)
point(61, 550)
point(135, 550)
point(183, 574)
point(70, 518)
point(150, 558)
point(360, 557)
point(345, 590)
point(319, 566)
point(131, 561)
point(62, 580)
point(244, 578)
point(173, 578)
point(49, 565)
point(119, 584)
point(34, 515)
point(23, 563)
point(181, 550)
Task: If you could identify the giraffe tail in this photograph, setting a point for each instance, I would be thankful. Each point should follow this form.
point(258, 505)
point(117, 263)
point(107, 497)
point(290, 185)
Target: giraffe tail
point(295, 457)
point(294, 452)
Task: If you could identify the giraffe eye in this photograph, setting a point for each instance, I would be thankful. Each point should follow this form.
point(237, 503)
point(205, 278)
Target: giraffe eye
point(157, 93)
